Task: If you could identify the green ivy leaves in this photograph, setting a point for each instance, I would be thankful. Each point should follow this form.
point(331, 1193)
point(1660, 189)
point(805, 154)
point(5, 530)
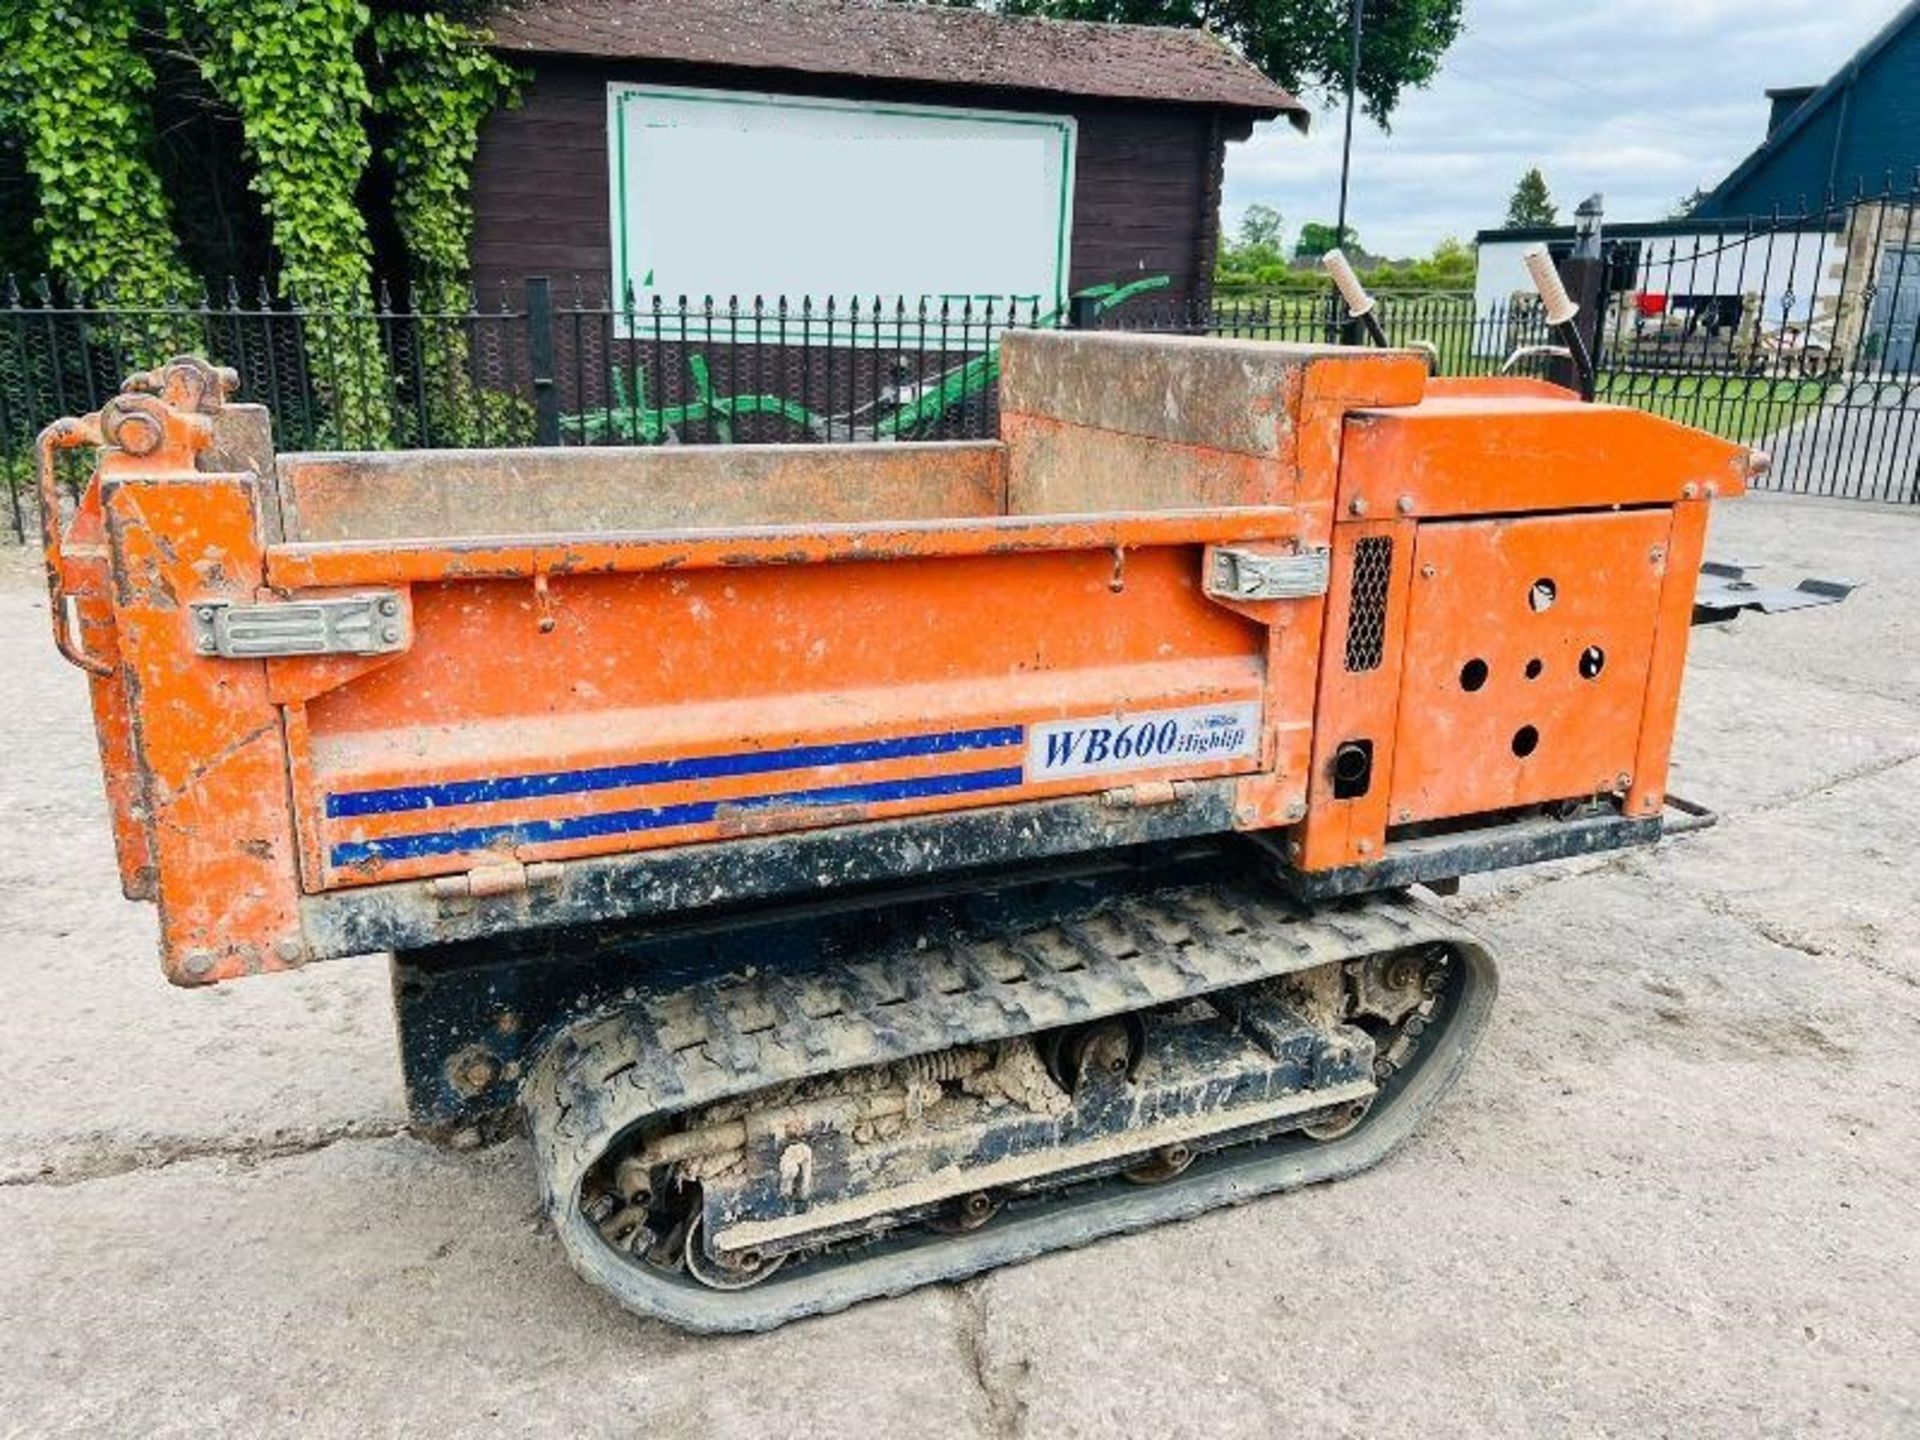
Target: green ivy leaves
point(73, 85)
point(440, 83)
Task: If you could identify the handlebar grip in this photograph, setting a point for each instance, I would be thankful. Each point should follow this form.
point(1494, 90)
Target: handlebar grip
point(1359, 302)
point(1546, 279)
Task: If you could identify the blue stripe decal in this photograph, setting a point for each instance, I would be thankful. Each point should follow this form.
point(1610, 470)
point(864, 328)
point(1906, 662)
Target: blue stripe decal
point(660, 772)
point(622, 822)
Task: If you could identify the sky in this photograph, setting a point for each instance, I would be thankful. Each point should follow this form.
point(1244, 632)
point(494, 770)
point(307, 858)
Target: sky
point(1641, 100)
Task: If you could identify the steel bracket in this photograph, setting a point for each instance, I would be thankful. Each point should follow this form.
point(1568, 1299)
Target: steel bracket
point(1237, 573)
point(371, 623)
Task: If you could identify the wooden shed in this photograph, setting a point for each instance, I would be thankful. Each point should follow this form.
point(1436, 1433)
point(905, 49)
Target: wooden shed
point(817, 147)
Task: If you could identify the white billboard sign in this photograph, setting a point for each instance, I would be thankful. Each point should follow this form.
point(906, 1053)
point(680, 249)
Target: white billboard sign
point(722, 194)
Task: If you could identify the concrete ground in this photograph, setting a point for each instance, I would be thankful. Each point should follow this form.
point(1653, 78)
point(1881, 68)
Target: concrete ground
point(1866, 447)
point(1676, 1194)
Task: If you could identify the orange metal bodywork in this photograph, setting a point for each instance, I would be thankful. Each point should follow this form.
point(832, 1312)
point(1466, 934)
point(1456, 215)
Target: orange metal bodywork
point(1499, 485)
point(603, 690)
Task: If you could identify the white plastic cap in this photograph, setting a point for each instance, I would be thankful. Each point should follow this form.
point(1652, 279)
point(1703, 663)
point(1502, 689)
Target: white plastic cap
point(1546, 279)
point(1347, 283)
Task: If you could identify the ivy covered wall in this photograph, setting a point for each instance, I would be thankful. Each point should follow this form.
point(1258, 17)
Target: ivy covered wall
point(287, 128)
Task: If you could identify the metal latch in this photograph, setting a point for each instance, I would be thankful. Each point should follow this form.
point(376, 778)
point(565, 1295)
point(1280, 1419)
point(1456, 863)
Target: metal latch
point(1260, 575)
point(374, 623)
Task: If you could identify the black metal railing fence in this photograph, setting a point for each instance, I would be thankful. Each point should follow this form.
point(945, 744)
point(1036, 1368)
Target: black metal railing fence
point(1800, 333)
point(538, 363)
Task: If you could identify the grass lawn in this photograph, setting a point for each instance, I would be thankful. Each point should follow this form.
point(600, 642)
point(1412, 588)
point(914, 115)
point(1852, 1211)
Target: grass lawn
point(1742, 408)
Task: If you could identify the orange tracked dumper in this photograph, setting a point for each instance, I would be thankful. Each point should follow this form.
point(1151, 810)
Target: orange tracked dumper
point(866, 865)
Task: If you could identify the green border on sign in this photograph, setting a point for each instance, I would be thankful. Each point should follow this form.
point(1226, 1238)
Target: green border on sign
point(620, 93)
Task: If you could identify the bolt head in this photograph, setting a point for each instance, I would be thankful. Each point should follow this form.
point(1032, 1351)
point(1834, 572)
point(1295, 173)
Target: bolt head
point(1404, 504)
point(1358, 505)
point(1689, 490)
point(198, 962)
point(1363, 847)
point(389, 606)
point(1297, 811)
point(1427, 571)
point(390, 634)
point(473, 1070)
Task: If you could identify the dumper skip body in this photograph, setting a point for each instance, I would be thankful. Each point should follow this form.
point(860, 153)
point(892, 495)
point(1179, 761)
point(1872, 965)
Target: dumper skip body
point(863, 865)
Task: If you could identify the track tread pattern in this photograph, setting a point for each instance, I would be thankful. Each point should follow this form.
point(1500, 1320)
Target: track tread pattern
point(685, 1049)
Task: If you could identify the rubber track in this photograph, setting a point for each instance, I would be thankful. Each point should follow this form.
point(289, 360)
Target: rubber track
point(680, 1050)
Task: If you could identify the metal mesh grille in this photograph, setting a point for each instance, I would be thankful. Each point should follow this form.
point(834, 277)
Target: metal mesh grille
point(1367, 611)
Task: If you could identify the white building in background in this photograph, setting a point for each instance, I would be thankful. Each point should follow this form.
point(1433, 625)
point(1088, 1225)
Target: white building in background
point(1706, 273)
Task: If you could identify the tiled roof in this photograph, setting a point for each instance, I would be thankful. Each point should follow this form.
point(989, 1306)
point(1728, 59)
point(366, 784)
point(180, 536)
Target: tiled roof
point(876, 39)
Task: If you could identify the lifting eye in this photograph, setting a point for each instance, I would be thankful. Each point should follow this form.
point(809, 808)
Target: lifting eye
point(1592, 661)
point(1541, 594)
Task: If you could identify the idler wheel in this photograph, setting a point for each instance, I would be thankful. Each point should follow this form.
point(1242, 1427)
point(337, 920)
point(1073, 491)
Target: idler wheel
point(750, 1269)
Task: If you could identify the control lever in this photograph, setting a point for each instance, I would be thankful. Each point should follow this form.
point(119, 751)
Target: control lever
point(1360, 305)
point(1561, 310)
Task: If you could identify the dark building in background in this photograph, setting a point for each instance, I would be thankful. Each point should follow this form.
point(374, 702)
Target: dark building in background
point(1151, 113)
point(1859, 129)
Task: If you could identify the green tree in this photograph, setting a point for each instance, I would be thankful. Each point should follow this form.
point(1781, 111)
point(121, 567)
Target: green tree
point(1530, 204)
point(1316, 239)
point(1260, 228)
point(1688, 203)
point(1303, 44)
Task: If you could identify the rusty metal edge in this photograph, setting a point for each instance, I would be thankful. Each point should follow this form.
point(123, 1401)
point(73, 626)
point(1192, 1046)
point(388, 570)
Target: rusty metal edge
point(411, 915)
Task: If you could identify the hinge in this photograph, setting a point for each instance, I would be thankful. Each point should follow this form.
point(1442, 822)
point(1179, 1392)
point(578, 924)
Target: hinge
point(1243, 574)
point(375, 623)
point(1147, 792)
point(508, 878)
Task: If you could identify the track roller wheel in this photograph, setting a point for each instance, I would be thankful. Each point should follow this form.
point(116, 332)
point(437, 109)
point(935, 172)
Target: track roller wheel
point(1161, 1166)
point(969, 1212)
point(1341, 1122)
